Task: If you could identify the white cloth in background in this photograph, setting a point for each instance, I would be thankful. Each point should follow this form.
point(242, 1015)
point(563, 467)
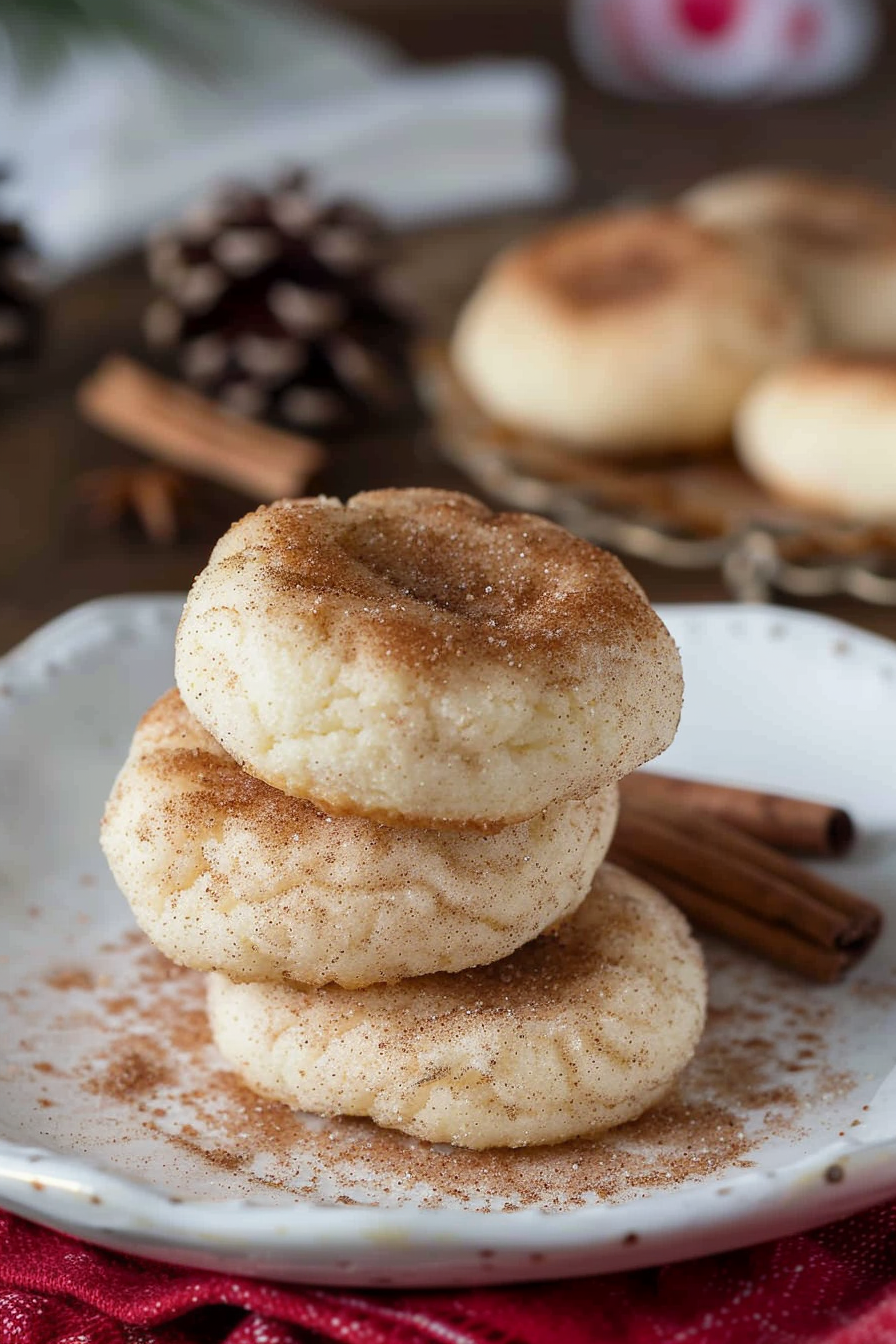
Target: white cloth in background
point(117, 141)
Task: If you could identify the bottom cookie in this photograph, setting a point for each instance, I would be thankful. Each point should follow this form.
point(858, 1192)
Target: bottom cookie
point(582, 1029)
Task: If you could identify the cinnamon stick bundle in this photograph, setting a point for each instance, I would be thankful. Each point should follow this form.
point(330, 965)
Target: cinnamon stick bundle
point(732, 884)
point(180, 427)
point(794, 824)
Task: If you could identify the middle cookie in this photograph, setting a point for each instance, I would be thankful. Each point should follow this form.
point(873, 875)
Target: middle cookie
point(225, 873)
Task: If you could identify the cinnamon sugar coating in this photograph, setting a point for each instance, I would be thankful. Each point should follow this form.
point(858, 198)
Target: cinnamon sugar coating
point(415, 658)
point(225, 873)
point(581, 1029)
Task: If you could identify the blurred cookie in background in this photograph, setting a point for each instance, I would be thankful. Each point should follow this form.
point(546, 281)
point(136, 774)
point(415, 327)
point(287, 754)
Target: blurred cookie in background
point(834, 238)
point(625, 333)
point(821, 434)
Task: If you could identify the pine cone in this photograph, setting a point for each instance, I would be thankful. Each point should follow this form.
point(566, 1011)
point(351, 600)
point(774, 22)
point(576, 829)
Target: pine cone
point(20, 312)
point(282, 307)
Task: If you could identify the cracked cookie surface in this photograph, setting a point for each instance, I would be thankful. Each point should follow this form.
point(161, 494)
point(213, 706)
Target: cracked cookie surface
point(578, 1031)
point(225, 873)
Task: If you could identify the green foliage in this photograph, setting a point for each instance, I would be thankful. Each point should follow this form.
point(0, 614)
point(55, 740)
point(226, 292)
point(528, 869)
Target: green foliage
point(42, 32)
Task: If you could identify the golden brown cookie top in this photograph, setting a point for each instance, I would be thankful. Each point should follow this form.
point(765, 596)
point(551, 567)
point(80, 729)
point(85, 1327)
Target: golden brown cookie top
point(420, 576)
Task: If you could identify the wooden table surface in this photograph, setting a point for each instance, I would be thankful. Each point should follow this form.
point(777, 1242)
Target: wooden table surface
point(51, 558)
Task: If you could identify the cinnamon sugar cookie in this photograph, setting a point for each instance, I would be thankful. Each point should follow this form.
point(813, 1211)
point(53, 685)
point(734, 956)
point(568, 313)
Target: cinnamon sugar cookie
point(225, 873)
point(821, 434)
point(580, 1030)
point(834, 238)
point(625, 332)
point(414, 658)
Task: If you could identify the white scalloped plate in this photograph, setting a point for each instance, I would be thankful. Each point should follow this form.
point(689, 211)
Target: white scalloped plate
point(167, 1163)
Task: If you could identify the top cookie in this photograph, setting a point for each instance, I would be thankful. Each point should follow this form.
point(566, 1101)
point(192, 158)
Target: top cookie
point(415, 658)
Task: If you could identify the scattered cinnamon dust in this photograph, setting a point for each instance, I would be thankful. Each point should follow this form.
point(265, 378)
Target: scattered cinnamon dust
point(69, 977)
point(702, 1130)
point(874, 992)
point(134, 1068)
point(762, 1067)
point(218, 1157)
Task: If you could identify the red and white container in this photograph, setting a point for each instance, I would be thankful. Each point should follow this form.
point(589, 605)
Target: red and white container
point(724, 49)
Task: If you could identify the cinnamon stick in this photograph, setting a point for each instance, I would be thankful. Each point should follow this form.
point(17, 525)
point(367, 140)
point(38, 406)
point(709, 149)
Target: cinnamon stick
point(826, 965)
point(795, 824)
point(176, 425)
point(737, 886)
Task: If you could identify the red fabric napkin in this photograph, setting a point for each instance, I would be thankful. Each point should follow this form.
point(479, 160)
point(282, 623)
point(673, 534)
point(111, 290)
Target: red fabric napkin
point(836, 1285)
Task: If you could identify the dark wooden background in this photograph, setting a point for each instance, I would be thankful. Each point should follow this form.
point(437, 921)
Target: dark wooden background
point(51, 558)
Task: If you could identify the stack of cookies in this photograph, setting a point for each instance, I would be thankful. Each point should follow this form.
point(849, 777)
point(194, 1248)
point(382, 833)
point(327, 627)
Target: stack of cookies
point(376, 809)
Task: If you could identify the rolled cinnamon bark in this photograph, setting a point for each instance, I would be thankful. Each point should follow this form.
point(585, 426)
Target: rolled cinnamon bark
point(795, 824)
point(824, 964)
point(174, 424)
point(739, 887)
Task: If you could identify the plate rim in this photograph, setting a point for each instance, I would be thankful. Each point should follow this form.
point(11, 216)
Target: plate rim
point(76, 1195)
